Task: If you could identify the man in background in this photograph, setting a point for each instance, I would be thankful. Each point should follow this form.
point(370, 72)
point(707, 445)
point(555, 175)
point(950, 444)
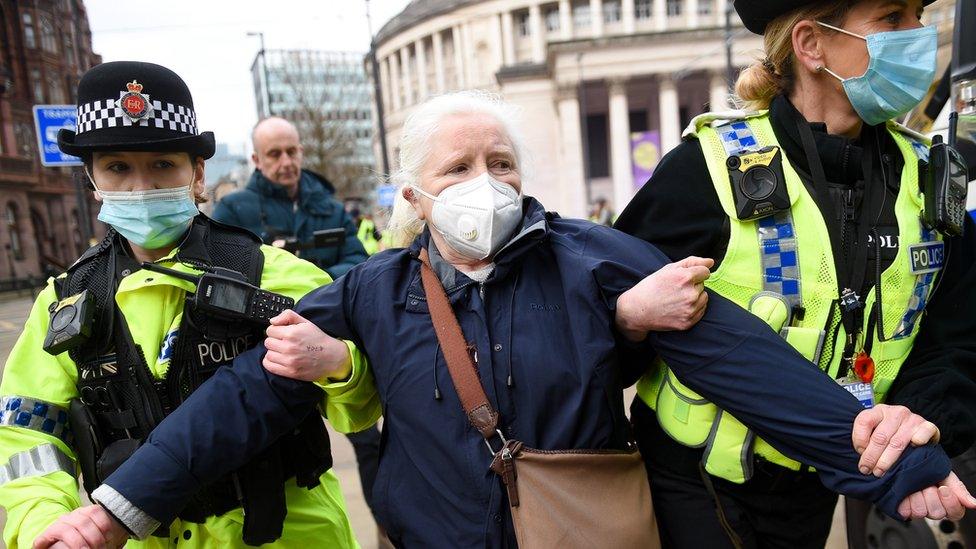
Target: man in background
point(283, 201)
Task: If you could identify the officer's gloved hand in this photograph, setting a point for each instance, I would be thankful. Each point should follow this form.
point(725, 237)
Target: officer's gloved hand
point(87, 527)
point(298, 349)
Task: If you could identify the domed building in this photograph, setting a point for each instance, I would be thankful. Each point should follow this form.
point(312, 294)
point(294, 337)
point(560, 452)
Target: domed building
point(611, 81)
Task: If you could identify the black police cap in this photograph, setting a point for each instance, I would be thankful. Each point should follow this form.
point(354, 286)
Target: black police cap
point(756, 14)
point(135, 106)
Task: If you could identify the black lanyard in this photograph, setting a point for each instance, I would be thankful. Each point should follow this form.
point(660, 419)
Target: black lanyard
point(850, 272)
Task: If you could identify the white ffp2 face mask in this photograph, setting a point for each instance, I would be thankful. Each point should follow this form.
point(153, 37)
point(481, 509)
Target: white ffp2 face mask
point(476, 217)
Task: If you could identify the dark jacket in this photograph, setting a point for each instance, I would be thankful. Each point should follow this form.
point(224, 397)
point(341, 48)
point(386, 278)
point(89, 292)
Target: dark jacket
point(265, 209)
point(679, 212)
point(552, 364)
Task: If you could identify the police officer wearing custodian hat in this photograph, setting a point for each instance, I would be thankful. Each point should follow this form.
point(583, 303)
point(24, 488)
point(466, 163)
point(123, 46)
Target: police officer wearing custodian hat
point(112, 346)
point(810, 203)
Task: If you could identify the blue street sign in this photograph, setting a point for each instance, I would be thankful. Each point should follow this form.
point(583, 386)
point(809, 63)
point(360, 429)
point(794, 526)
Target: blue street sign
point(385, 195)
point(48, 119)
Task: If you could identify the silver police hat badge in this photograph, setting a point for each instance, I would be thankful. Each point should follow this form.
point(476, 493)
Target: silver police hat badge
point(135, 104)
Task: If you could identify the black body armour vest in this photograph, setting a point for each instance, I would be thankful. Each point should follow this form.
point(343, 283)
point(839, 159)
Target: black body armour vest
point(121, 401)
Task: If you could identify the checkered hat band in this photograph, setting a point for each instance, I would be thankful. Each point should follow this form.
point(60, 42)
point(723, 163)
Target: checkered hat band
point(105, 114)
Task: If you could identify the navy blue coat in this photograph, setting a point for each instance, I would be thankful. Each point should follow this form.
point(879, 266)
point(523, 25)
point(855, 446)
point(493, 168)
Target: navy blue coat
point(266, 210)
point(552, 364)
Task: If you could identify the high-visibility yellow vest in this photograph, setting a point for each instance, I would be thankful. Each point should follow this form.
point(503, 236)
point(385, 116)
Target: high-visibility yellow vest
point(366, 236)
point(789, 257)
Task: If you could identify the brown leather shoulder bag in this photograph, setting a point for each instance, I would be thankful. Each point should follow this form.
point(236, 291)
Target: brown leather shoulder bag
point(560, 499)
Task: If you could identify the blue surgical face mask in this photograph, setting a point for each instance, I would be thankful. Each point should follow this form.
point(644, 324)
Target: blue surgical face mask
point(149, 219)
point(899, 75)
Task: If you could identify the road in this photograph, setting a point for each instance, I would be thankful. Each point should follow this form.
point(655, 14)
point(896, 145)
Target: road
point(14, 311)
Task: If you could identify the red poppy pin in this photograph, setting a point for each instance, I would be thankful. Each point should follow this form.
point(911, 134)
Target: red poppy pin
point(134, 103)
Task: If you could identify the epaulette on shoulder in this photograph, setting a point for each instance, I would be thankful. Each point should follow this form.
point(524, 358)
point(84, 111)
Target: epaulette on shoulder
point(718, 118)
point(95, 250)
point(909, 133)
point(233, 229)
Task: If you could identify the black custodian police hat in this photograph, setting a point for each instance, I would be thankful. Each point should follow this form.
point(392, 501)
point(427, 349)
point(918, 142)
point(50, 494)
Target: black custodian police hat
point(135, 106)
point(756, 14)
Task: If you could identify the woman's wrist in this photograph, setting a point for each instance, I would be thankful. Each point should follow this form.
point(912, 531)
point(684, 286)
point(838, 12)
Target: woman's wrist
point(344, 369)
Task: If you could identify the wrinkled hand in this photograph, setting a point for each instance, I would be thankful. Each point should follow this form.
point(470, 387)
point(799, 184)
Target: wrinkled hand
point(90, 527)
point(298, 349)
point(673, 298)
point(882, 433)
point(949, 499)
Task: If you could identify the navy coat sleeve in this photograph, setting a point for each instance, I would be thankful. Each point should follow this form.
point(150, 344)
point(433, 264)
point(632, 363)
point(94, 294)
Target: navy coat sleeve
point(735, 360)
point(232, 417)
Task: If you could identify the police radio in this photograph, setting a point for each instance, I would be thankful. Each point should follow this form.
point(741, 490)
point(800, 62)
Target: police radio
point(70, 324)
point(946, 188)
point(224, 294)
point(758, 184)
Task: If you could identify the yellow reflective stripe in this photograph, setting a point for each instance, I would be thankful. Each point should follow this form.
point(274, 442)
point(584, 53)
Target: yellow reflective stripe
point(36, 462)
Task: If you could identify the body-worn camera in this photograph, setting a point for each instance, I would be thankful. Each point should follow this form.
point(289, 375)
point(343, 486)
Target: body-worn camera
point(758, 184)
point(946, 188)
point(225, 294)
point(70, 324)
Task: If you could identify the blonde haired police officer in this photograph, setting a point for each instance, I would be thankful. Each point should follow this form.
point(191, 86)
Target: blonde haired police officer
point(810, 202)
point(116, 346)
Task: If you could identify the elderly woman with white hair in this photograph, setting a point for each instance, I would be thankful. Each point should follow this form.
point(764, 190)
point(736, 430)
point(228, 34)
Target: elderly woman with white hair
point(559, 314)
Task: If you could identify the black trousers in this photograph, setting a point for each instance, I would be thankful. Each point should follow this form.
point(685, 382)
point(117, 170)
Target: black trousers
point(776, 508)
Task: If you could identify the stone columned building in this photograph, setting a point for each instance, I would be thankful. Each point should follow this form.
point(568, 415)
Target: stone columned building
point(600, 82)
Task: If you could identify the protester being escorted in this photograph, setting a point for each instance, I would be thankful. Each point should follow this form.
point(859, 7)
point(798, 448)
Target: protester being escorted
point(560, 314)
point(282, 199)
point(111, 346)
point(828, 247)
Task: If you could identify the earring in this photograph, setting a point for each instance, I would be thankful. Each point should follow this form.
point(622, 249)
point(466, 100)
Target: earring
point(819, 68)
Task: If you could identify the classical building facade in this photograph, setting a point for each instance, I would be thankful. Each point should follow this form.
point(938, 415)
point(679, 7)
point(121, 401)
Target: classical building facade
point(45, 46)
point(587, 74)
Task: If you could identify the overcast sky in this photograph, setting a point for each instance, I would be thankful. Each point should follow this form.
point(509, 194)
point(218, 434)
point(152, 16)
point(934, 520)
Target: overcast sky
point(206, 42)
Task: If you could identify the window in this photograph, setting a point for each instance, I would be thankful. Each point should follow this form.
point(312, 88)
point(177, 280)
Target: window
point(29, 39)
point(674, 7)
point(55, 93)
point(705, 7)
point(24, 135)
point(643, 9)
point(552, 19)
point(13, 227)
point(523, 24)
point(611, 11)
point(49, 40)
point(581, 15)
point(69, 48)
point(37, 85)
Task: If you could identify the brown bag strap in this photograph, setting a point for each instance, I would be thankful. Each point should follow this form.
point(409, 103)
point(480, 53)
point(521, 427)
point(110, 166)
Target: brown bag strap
point(464, 373)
